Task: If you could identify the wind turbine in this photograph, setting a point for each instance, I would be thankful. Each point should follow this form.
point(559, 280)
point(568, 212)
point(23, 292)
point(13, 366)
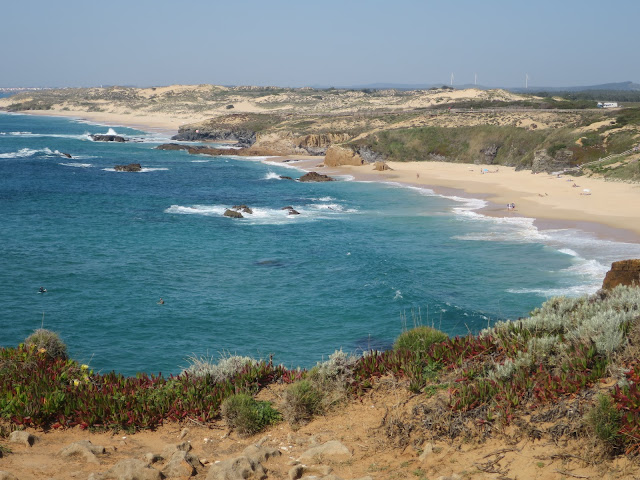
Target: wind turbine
point(475, 79)
point(526, 81)
point(452, 79)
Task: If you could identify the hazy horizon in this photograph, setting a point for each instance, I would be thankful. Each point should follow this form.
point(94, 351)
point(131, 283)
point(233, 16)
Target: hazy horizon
point(288, 44)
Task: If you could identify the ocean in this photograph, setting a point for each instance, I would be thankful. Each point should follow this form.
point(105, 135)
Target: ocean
point(361, 262)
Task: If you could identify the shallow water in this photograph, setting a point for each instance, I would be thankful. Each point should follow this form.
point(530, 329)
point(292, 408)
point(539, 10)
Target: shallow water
point(358, 259)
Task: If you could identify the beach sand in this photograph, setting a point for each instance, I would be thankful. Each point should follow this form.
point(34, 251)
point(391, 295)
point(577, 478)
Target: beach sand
point(608, 209)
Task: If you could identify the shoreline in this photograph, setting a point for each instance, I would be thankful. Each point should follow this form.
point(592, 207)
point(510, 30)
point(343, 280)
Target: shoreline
point(604, 209)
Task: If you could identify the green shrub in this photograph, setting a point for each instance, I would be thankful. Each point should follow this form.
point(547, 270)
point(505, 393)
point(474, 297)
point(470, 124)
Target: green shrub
point(604, 421)
point(301, 401)
point(247, 415)
point(419, 339)
point(48, 341)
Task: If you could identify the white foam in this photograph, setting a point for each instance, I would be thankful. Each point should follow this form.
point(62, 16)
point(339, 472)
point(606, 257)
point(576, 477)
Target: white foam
point(78, 165)
point(142, 170)
point(271, 176)
point(111, 131)
point(30, 152)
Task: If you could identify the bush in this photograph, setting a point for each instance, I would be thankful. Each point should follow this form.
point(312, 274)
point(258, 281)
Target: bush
point(225, 369)
point(247, 415)
point(302, 400)
point(419, 339)
point(604, 421)
point(48, 341)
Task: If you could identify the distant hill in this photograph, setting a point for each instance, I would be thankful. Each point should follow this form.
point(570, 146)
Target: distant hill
point(616, 86)
point(619, 86)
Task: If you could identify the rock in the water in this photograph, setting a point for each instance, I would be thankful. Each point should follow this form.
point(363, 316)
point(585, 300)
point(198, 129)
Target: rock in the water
point(108, 138)
point(132, 167)
point(315, 177)
point(129, 469)
point(242, 208)
point(173, 146)
point(624, 272)
point(232, 214)
point(25, 438)
point(292, 211)
point(381, 166)
point(83, 449)
point(241, 468)
point(333, 450)
point(284, 177)
point(182, 465)
point(337, 156)
point(68, 155)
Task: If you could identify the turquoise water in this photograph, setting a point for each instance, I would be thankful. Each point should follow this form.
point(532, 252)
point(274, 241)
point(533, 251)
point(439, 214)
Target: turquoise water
point(107, 245)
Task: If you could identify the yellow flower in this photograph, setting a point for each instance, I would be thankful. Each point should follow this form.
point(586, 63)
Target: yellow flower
point(43, 350)
point(76, 382)
point(84, 367)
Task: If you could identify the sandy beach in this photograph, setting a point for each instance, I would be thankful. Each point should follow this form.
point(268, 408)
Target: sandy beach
point(608, 209)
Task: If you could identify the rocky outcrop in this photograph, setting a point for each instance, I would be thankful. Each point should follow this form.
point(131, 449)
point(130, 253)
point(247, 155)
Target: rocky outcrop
point(369, 156)
point(22, 437)
point(232, 213)
point(173, 146)
point(129, 469)
point(84, 450)
point(317, 144)
point(333, 450)
point(489, 155)
point(243, 137)
point(132, 167)
point(181, 465)
point(543, 162)
point(291, 210)
point(624, 272)
point(240, 468)
point(315, 177)
point(337, 156)
point(107, 138)
point(381, 166)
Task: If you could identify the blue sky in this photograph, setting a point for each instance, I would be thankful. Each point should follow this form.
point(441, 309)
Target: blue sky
point(309, 42)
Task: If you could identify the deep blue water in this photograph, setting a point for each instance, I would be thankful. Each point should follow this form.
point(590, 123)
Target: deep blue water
point(360, 257)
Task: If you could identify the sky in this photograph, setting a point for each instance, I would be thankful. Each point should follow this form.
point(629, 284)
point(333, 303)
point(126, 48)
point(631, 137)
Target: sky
point(70, 43)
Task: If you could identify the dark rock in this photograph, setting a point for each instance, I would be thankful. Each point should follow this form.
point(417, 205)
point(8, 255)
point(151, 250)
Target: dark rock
point(315, 177)
point(369, 156)
point(229, 107)
point(489, 153)
point(292, 211)
point(624, 272)
point(284, 177)
point(173, 146)
point(543, 162)
point(232, 214)
point(68, 155)
point(108, 138)
point(132, 167)
point(242, 208)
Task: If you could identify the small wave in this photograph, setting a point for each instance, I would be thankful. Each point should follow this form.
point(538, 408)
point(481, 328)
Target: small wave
point(30, 152)
point(323, 199)
point(278, 164)
point(272, 176)
point(568, 251)
point(78, 165)
point(142, 170)
point(569, 291)
point(111, 131)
